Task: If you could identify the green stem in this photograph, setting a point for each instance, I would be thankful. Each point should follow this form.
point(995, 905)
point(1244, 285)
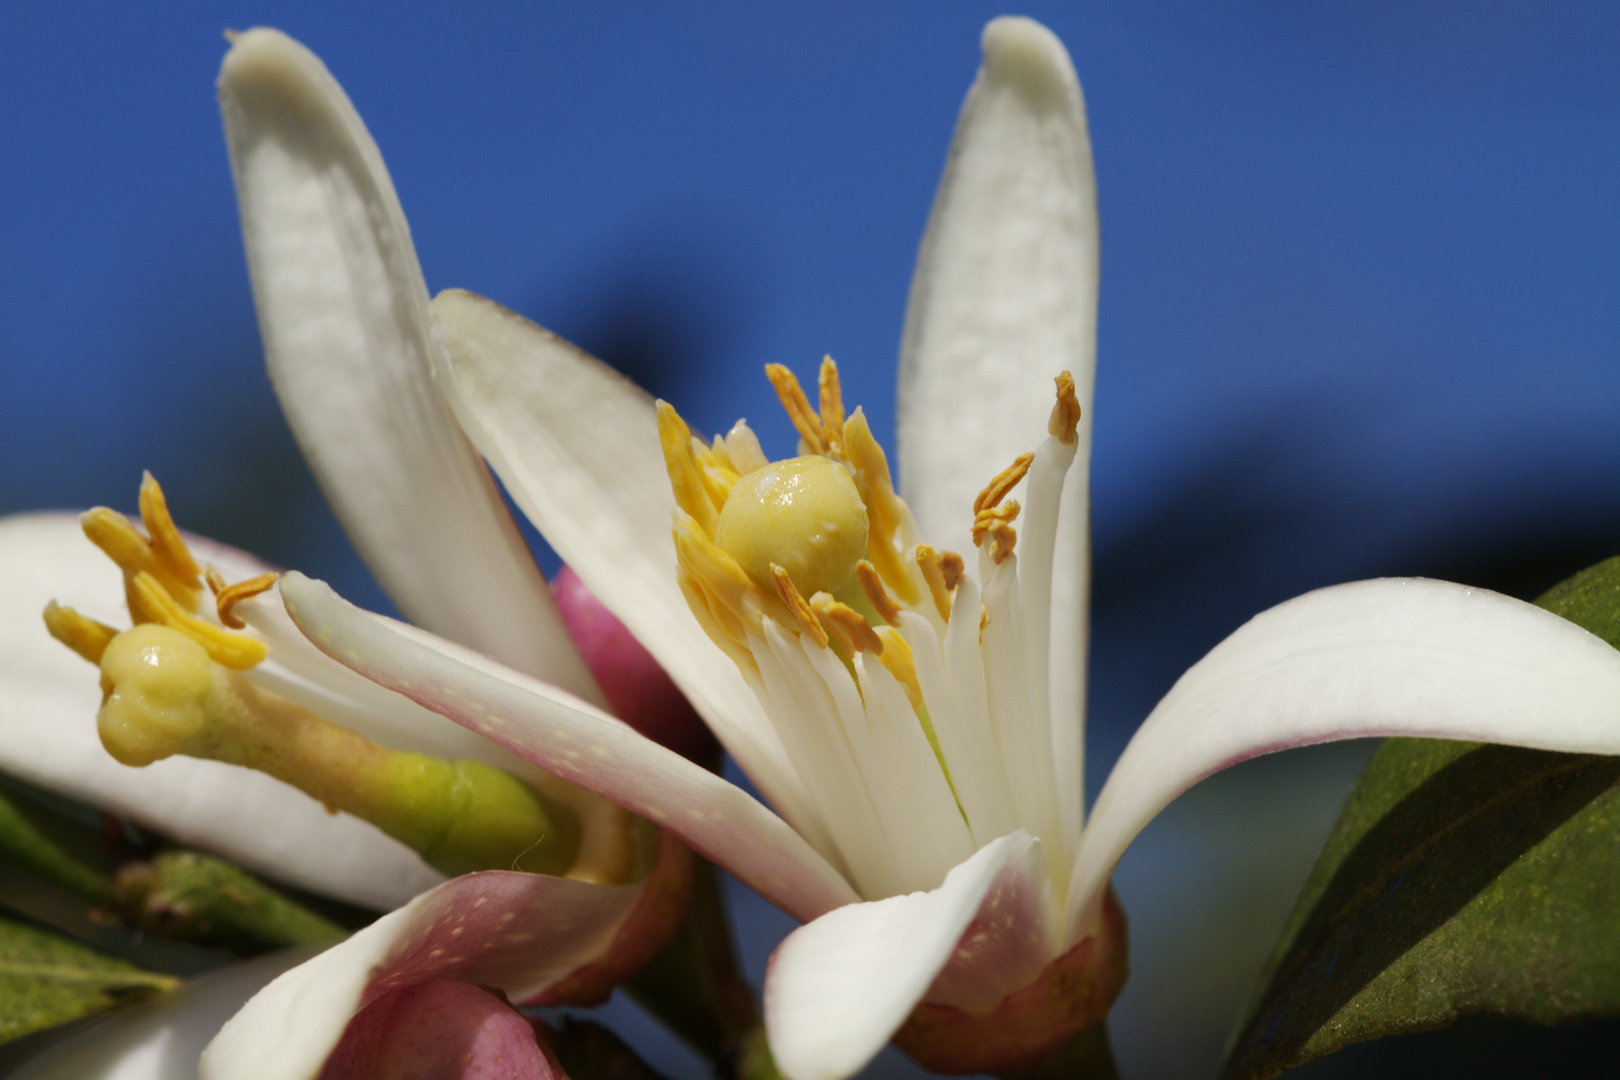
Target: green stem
point(694, 985)
point(188, 896)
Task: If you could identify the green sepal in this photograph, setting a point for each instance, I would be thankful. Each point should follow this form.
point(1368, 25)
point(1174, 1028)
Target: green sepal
point(1460, 879)
point(46, 980)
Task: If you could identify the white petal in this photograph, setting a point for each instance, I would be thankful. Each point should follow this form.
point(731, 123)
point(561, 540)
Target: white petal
point(347, 338)
point(518, 933)
point(576, 444)
point(160, 1039)
point(571, 740)
point(839, 988)
point(1374, 658)
point(1003, 299)
point(48, 737)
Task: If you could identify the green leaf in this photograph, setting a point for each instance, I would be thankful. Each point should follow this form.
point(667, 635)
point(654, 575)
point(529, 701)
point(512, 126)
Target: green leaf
point(47, 980)
point(25, 844)
point(1460, 879)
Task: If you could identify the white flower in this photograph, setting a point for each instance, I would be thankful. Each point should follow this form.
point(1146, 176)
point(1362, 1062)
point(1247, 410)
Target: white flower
point(957, 919)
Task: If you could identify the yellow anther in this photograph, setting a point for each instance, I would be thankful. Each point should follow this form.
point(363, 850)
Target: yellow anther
point(934, 568)
point(1004, 481)
point(883, 506)
point(803, 514)
point(872, 586)
point(1065, 417)
point(717, 482)
point(82, 634)
point(995, 522)
point(797, 605)
point(832, 404)
point(226, 598)
point(797, 406)
point(846, 624)
point(166, 541)
point(684, 480)
point(151, 602)
point(123, 543)
point(896, 656)
point(726, 602)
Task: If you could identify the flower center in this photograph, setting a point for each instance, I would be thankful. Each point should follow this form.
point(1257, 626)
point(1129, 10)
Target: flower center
point(908, 736)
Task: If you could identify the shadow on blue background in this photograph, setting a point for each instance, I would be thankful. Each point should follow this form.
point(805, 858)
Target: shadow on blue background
point(1358, 312)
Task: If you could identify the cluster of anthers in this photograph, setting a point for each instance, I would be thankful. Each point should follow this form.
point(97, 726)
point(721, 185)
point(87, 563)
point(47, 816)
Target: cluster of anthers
point(163, 584)
point(190, 678)
point(807, 570)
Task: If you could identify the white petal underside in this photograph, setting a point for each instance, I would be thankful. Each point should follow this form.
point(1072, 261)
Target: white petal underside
point(839, 988)
point(1003, 299)
point(518, 933)
point(344, 319)
point(576, 742)
point(48, 738)
point(577, 446)
point(1373, 658)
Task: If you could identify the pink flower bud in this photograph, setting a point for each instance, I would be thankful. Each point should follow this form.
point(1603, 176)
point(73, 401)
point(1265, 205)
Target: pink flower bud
point(441, 1030)
point(641, 694)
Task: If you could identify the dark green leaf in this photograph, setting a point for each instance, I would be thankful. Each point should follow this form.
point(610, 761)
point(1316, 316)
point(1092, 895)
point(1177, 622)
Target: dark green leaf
point(1459, 879)
point(47, 980)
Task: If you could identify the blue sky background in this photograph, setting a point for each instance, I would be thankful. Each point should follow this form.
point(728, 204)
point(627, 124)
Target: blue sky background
point(1360, 268)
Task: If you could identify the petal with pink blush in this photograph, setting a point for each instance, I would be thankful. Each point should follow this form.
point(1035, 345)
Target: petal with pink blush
point(577, 743)
point(839, 987)
point(522, 934)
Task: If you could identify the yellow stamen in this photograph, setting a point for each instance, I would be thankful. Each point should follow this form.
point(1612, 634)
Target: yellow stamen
point(847, 625)
point(1004, 481)
point(872, 585)
point(226, 599)
point(82, 634)
point(797, 406)
point(717, 482)
point(933, 566)
point(883, 507)
point(684, 479)
point(896, 656)
point(237, 651)
point(1065, 417)
point(731, 604)
point(995, 522)
point(832, 404)
point(166, 541)
point(796, 604)
point(123, 543)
